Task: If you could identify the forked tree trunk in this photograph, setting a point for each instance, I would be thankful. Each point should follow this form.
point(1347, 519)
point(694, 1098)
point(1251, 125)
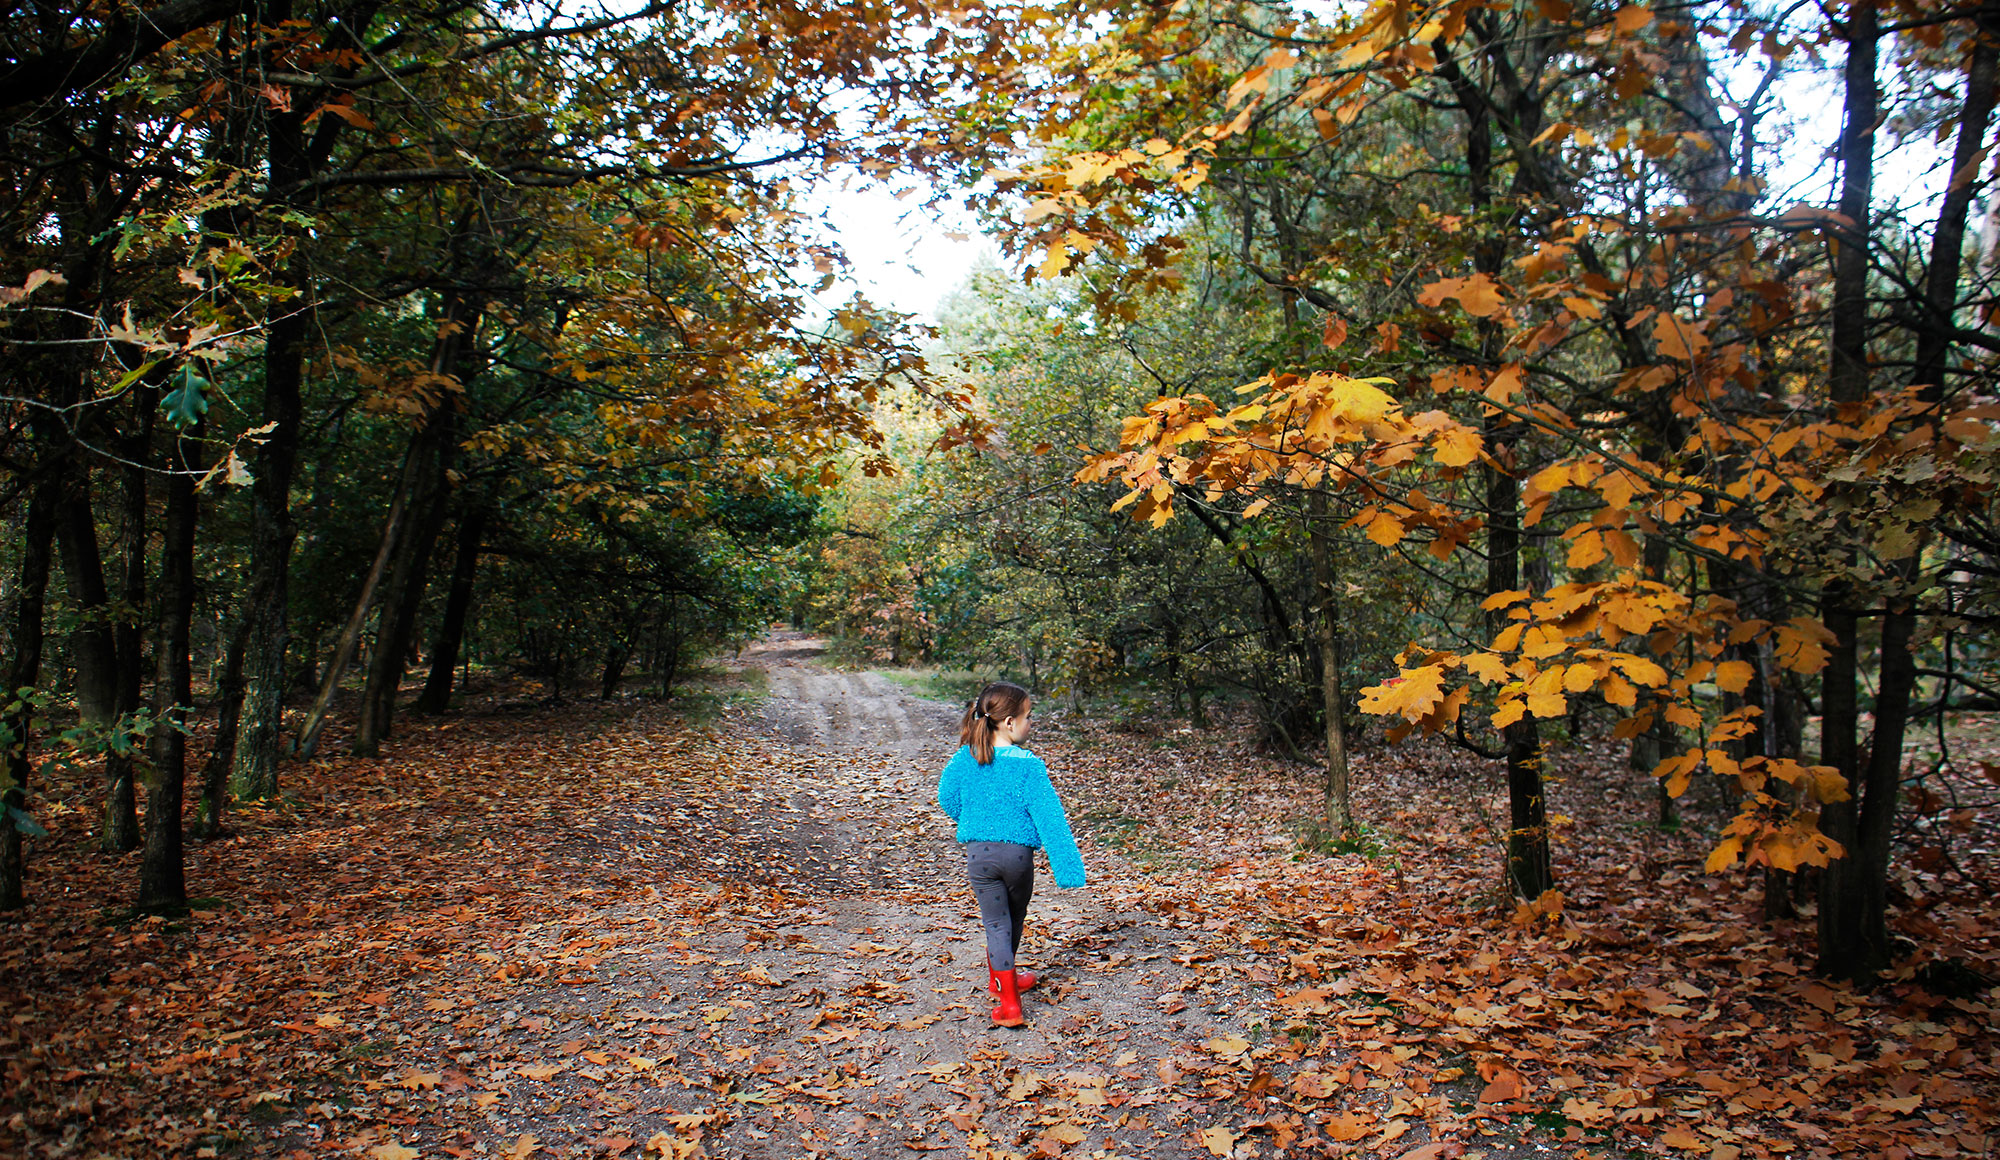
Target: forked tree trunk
point(436, 697)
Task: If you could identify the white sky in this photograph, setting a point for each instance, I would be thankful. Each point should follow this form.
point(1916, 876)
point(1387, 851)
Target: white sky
point(903, 257)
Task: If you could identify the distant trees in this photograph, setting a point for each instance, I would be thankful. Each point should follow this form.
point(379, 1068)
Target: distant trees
point(344, 333)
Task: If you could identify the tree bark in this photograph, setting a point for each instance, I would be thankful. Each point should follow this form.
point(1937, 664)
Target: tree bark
point(24, 671)
point(1847, 944)
point(1947, 256)
point(162, 882)
point(92, 648)
point(436, 697)
point(272, 533)
point(407, 581)
point(1338, 807)
point(431, 454)
point(229, 713)
point(121, 807)
point(350, 636)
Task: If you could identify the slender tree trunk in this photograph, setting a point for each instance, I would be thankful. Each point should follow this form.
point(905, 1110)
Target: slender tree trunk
point(121, 808)
point(407, 580)
point(92, 648)
point(24, 671)
point(1846, 940)
point(229, 711)
point(1339, 810)
point(162, 885)
point(1529, 869)
point(431, 454)
point(259, 742)
point(350, 636)
point(436, 697)
point(1982, 82)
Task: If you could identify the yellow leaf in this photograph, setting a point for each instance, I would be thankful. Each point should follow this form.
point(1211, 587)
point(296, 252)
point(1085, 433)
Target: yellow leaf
point(1734, 676)
point(1386, 530)
point(1548, 706)
point(1577, 678)
point(1587, 549)
point(1456, 446)
point(1412, 695)
point(1724, 855)
point(1218, 1140)
point(1508, 712)
point(1802, 644)
point(1488, 667)
point(1056, 262)
point(1676, 337)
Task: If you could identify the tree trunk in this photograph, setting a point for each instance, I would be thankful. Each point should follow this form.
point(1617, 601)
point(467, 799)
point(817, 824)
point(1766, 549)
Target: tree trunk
point(121, 807)
point(24, 671)
point(229, 711)
point(1948, 240)
point(411, 569)
point(350, 636)
point(1848, 945)
point(1339, 811)
point(162, 885)
point(436, 697)
point(91, 645)
point(259, 743)
point(1529, 869)
point(272, 532)
point(431, 456)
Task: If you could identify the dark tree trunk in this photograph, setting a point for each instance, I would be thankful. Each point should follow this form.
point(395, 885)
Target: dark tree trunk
point(24, 671)
point(431, 453)
point(1333, 700)
point(436, 697)
point(229, 710)
point(409, 574)
point(121, 808)
point(162, 885)
point(1849, 946)
point(92, 648)
point(272, 532)
point(1529, 869)
point(350, 635)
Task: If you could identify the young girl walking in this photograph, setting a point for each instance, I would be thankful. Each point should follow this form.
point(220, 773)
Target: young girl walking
point(1006, 808)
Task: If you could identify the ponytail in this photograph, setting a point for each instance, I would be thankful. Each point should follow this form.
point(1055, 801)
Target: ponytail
point(994, 704)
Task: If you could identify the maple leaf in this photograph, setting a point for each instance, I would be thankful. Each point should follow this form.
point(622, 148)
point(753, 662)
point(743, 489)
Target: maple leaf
point(1412, 695)
point(1219, 1140)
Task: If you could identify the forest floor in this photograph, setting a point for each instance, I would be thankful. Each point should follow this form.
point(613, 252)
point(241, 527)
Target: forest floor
point(603, 931)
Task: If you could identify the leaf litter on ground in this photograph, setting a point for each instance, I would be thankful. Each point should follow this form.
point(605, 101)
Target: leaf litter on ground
point(601, 931)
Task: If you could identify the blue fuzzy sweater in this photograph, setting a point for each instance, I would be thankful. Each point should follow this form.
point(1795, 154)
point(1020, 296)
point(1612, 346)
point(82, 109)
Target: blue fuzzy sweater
point(1011, 800)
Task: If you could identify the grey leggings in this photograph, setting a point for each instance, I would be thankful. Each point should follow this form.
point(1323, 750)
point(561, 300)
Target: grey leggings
point(1003, 880)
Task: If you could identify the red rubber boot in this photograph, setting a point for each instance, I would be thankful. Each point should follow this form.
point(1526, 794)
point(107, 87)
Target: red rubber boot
point(1008, 1013)
point(1023, 980)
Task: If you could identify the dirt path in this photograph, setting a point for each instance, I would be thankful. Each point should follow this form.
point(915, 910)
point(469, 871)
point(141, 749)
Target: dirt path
point(834, 1003)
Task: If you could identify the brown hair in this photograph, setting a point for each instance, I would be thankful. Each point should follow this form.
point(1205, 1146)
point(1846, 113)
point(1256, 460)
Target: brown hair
point(994, 704)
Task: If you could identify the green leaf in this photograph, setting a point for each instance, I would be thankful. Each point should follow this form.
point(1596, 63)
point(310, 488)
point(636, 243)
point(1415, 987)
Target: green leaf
point(26, 824)
point(186, 403)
